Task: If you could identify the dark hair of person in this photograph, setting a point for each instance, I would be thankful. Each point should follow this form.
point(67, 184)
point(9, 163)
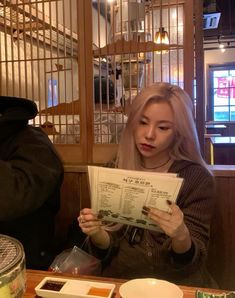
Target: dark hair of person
point(104, 94)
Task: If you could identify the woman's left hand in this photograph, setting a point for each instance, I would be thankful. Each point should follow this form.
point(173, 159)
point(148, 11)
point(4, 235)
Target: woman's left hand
point(171, 223)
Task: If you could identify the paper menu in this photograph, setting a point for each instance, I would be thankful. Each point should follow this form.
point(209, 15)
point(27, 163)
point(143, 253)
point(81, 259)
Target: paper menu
point(119, 195)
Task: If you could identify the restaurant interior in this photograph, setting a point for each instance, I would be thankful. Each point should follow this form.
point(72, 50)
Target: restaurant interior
point(51, 51)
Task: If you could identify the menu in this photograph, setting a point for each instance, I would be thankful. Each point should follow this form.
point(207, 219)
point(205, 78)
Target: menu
point(119, 195)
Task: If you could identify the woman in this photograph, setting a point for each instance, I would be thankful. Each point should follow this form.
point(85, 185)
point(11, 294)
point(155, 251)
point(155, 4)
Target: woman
point(161, 137)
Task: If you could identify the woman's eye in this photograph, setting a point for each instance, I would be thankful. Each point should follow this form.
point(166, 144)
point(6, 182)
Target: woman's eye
point(164, 127)
point(143, 122)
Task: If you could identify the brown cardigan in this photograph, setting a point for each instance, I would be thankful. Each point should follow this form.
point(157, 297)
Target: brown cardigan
point(152, 256)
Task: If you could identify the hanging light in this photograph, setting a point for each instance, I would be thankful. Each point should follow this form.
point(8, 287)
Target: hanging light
point(161, 36)
point(222, 48)
point(221, 45)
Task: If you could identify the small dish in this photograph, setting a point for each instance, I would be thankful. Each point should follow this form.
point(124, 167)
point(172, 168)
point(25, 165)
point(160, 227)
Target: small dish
point(149, 288)
point(51, 287)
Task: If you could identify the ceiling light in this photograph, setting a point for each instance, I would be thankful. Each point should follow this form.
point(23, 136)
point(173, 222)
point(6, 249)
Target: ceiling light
point(161, 36)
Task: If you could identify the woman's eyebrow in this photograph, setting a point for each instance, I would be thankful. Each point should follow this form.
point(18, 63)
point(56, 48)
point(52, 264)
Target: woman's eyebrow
point(143, 116)
point(165, 121)
point(160, 121)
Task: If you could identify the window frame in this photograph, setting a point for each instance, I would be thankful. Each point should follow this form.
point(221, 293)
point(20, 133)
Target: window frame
point(210, 101)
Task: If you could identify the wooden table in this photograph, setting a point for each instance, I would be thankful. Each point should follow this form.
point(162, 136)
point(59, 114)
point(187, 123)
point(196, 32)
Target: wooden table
point(209, 158)
point(223, 150)
point(216, 128)
point(35, 276)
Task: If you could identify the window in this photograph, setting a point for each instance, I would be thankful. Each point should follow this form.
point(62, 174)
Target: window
point(222, 93)
point(52, 93)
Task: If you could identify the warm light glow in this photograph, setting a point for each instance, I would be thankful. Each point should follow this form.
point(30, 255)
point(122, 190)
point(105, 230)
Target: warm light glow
point(222, 48)
point(173, 14)
point(161, 37)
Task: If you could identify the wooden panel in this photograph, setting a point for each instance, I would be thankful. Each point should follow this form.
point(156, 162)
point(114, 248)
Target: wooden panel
point(228, 131)
point(69, 153)
point(199, 72)
point(216, 129)
point(82, 62)
point(223, 150)
point(74, 197)
point(122, 46)
point(188, 48)
point(231, 127)
point(221, 260)
point(207, 150)
point(223, 170)
point(224, 154)
point(70, 206)
point(71, 108)
point(105, 152)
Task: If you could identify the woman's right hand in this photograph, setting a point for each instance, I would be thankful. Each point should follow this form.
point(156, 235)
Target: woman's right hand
point(89, 222)
point(92, 226)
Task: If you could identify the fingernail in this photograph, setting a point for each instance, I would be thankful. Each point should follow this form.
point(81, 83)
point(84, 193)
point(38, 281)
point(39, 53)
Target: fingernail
point(146, 208)
point(100, 216)
point(169, 202)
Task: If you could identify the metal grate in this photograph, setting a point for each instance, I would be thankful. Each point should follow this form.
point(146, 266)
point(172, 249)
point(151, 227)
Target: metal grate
point(11, 252)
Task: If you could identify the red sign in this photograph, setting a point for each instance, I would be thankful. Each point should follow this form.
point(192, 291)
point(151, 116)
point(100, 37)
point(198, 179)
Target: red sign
point(224, 85)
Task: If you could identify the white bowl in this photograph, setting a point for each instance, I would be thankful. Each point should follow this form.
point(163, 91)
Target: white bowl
point(149, 288)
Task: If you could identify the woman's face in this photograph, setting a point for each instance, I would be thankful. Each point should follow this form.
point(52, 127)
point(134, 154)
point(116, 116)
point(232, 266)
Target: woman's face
point(154, 133)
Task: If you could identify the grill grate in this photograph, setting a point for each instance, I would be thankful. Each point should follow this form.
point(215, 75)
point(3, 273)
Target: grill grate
point(10, 252)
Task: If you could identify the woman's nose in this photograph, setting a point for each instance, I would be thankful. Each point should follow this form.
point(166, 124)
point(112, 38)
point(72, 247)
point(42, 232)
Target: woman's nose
point(150, 132)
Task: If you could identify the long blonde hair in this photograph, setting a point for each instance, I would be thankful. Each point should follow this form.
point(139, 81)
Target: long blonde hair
point(186, 145)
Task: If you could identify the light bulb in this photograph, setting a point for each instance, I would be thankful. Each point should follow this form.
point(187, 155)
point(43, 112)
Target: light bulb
point(161, 36)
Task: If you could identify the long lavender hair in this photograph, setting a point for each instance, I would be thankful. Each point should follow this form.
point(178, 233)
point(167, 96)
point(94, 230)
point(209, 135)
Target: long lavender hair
point(186, 144)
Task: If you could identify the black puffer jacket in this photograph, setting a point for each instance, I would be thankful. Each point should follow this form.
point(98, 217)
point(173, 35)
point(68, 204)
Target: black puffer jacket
point(31, 174)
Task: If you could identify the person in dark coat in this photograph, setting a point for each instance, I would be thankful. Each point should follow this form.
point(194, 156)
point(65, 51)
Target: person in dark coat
point(31, 174)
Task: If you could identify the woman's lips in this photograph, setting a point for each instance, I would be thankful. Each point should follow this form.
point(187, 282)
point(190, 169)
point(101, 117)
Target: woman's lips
point(146, 147)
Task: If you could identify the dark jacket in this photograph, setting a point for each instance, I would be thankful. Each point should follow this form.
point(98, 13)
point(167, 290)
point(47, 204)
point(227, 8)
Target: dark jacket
point(31, 174)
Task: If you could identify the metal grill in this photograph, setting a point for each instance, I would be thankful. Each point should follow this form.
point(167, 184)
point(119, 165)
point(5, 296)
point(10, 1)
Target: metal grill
point(11, 252)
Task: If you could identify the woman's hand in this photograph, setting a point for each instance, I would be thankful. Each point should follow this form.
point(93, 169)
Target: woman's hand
point(92, 226)
point(89, 222)
point(173, 225)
